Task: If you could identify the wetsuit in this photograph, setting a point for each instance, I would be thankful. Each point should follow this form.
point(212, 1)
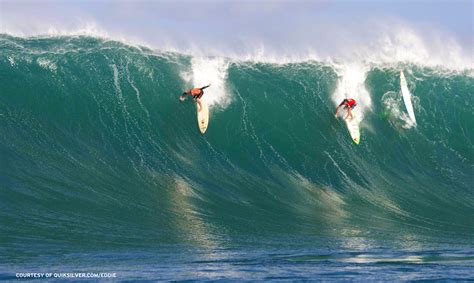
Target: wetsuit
point(349, 103)
point(198, 92)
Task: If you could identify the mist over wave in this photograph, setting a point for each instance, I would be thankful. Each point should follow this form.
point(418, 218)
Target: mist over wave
point(370, 40)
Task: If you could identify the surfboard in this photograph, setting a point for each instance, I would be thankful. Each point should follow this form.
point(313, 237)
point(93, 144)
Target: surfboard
point(353, 127)
point(202, 116)
point(407, 97)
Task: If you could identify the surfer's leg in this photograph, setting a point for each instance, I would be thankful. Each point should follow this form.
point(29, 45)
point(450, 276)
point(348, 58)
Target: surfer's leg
point(350, 110)
point(349, 113)
point(198, 101)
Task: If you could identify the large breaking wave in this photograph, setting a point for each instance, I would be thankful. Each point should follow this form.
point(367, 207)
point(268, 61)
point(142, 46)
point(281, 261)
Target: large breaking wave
point(93, 139)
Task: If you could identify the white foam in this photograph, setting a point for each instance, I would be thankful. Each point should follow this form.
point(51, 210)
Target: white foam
point(262, 54)
point(90, 29)
point(392, 43)
point(210, 70)
point(404, 44)
point(351, 84)
point(49, 30)
point(47, 64)
point(392, 102)
point(12, 61)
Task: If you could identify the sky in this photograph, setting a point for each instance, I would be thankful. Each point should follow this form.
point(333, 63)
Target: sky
point(248, 25)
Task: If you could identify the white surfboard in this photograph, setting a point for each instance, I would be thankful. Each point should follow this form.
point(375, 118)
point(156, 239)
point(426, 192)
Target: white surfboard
point(353, 127)
point(202, 116)
point(407, 97)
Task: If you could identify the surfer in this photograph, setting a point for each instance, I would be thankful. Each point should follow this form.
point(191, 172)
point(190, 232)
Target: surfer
point(196, 93)
point(348, 104)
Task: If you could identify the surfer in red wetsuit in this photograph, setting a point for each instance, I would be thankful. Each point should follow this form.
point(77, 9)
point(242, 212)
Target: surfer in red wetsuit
point(348, 104)
point(196, 93)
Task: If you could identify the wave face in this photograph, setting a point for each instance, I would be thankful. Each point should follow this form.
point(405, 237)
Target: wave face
point(97, 151)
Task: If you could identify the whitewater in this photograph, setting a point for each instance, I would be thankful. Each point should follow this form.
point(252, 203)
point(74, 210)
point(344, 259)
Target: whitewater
point(104, 170)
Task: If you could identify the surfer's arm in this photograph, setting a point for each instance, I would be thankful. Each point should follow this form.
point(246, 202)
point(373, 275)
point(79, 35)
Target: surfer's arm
point(183, 96)
point(337, 110)
point(205, 86)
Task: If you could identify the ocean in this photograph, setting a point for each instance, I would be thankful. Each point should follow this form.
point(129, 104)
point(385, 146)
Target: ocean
point(103, 170)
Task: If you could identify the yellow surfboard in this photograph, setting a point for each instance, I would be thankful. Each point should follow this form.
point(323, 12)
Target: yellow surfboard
point(202, 116)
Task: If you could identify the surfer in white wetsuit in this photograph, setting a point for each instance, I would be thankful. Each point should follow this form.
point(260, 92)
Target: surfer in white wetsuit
point(196, 93)
point(348, 104)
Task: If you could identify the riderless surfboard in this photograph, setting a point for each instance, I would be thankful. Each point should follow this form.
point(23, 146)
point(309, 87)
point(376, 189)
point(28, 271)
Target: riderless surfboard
point(407, 97)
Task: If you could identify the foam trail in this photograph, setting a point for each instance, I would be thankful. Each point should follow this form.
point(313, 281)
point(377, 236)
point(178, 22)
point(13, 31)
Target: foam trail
point(352, 85)
point(214, 71)
point(137, 92)
point(392, 102)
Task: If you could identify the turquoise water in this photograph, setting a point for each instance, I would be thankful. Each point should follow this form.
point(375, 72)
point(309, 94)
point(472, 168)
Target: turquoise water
point(102, 169)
